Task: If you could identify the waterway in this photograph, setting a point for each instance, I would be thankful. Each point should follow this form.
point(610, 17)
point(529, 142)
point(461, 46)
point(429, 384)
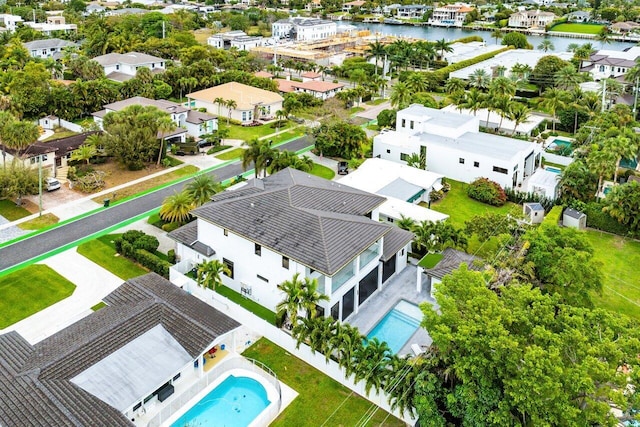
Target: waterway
point(438, 33)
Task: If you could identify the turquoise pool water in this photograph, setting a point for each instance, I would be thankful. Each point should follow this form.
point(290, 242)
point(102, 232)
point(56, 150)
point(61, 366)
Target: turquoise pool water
point(560, 146)
point(398, 325)
point(552, 169)
point(236, 402)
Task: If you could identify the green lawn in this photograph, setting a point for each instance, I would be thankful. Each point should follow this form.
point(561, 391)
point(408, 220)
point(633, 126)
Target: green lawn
point(103, 252)
point(321, 401)
point(98, 306)
point(11, 211)
point(430, 260)
point(322, 171)
point(247, 303)
point(29, 290)
point(39, 222)
point(376, 101)
point(60, 134)
point(247, 133)
point(231, 155)
point(354, 110)
point(620, 259)
point(461, 207)
point(285, 136)
point(578, 28)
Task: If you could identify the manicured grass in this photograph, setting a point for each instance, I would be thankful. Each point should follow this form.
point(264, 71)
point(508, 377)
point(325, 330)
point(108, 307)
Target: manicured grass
point(247, 133)
point(461, 207)
point(230, 155)
point(40, 222)
point(320, 400)
point(620, 259)
point(247, 303)
point(11, 211)
point(29, 290)
point(103, 252)
point(285, 136)
point(60, 134)
point(430, 260)
point(354, 110)
point(376, 101)
point(578, 28)
point(98, 306)
point(218, 148)
point(322, 171)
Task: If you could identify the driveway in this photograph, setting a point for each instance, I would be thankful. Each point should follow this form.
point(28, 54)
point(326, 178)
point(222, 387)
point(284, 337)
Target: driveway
point(372, 112)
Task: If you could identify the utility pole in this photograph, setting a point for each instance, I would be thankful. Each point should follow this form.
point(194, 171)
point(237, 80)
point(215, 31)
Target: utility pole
point(604, 92)
point(635, 97)
point(40, 185)
point(163, 30)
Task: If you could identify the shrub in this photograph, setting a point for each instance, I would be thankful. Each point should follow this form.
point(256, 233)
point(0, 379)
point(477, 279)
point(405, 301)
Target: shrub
point(146, 242)
point(602, 220)
point(171, 256)
point(443, 73)
point(132, 235)
point(520, 197)
point(487, 191)
point(434, 195)
point(152, 262)
point(554, 215)
point(170, 226)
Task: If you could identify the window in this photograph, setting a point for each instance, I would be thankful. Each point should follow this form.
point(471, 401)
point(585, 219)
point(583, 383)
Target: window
point(476, 164)
point(461, 161)
point(285, 262)
point(244, 116)
point(117, 66)
point(388, 151)
point(389, 219)
point(229, 266)
point(500, 170)
point(226, 232)
point(411, 124)
point(264, 279)
point(404, 157)
point(404, 123)
point(257, 249)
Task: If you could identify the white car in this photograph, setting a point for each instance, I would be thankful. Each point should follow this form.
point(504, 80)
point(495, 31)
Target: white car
point(51, 184)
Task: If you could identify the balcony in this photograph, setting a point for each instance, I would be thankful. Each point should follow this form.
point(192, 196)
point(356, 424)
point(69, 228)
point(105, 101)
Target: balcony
point(342, 276)
point(369, 255)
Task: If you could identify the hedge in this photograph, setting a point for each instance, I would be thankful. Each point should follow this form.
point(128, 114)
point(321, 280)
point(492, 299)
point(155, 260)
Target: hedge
point(603, 221)
point(152, 262)
point(443, 73)
point(469, 39)
point(139, 247)
point(520, 197)
point(553, 217)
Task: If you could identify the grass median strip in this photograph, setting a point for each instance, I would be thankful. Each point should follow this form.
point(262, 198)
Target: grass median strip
point(102, 251)
point(322, 171)
point(331, 403)
point(30, 290)
point(231, 155)
point(11, 211)
point(43, 221)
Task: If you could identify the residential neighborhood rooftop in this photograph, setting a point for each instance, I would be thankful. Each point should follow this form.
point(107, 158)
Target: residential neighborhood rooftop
point(451, 260)
point(246, 97)
point(132, 58)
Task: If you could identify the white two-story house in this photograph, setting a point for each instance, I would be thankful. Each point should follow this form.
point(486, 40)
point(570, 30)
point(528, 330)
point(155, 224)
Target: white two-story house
point(303, 29)
point(605, 64)
point(123, 66)
point(48, 48)
point(292, 222)
point(455, 148)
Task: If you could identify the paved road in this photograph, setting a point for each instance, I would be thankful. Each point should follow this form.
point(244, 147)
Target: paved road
point(27, 249)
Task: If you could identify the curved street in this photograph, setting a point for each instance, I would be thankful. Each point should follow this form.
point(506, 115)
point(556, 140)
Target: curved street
point(55, 238)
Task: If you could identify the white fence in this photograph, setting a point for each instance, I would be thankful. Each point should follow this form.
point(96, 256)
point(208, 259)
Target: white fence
point(284, 340)
point(254, 366)
point(71, 126)
point(554, 158)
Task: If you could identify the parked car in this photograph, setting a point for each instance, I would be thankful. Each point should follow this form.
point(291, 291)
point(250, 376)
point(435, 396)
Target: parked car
point(343, 168)
point(51, 184)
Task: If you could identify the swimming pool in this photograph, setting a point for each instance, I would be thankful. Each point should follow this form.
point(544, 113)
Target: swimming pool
point(560, 146)
point(398, 325)
point(235, 402)
point(552, 169)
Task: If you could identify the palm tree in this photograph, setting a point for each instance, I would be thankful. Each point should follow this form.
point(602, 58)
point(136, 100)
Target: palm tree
point(400, 95)
point(231, 105)
point(164, 124)
point(601, 162)
point(521, 71)
point(19, 134)
point(518, 113)
point(84, 153)
point(300, 295)
point(496, 34)
point(416, 160)
point(258, 152)
point(604, 36)
point(280, 116)
point(572, 47)
point(416, 82)
point(373, 359)
point(454, 85)
point(473, 100)
point(209, 273)
point(623, 148)
point(349, 343)
point(502, 86)
point(479, 79)
point(502, 105)
point(567, 77)
point(176, 208)
point(201, 188)
point(546, 45)
point(220, 101)
point(376, 50)
point(583, 53)
point(443, 46)
point(357, 76)
point(553, 99)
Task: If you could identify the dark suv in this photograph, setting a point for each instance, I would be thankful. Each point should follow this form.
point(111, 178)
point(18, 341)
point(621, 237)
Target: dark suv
point(343, 168)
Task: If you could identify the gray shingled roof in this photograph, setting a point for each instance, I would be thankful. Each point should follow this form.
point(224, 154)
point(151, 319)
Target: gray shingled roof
point(188, 236)
point(316, 222)
point(451, 260)
point(133, 58)
point(35, 387)
point(48, 44)
point(395, 240)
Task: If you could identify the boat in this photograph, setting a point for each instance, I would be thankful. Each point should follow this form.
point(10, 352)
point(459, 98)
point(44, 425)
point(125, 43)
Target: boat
point(393, 21)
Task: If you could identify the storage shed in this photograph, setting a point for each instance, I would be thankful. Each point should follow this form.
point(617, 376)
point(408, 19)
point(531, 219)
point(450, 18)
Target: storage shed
point(574, 218)
point(534, 212)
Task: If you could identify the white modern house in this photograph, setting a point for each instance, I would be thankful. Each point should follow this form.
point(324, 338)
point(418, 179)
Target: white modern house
point(188, 122)
point(54, 24)
point(606, 64)
point(123, 66)
point(251, 103)
point(48, 48)
point(303, 29)
point(292, 222)
point(531, 19)
point(454, 147)
point(9, 22)
point(403, 186)
point(450, 15)
point(412, 11)
point(238, 39)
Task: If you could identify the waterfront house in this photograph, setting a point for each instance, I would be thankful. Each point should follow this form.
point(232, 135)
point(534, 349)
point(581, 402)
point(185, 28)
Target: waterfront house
point(237, 39)
point(534, 19)
point(579, 16)
point(412, 11)
point(450, 15)
point(611, 63)
point(303, 29)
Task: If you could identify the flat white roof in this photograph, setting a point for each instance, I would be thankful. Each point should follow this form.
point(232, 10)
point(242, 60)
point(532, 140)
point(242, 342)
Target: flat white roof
point(532, 122)
point(544, 179)
point(444, 118)
point(135, 370)
point(464, 51)
point(484, 144)
point(396, 208)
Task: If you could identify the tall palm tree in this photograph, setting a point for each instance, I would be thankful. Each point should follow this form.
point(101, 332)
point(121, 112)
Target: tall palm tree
point(479, 79)
point(220, 101)
point(416, 82)
point(473, 100)
point(201, 188)
point(18, 135)
point(583, 53)
point(553, 99)
point(349, 343)
point(177, 207)
point(209, 273)
point(400, 95)
point(231, 105)
point(376, 50)
point(502, 105)
point(258, 152)
point(357, 76)
point(502, 86)
point(546, 45)
point(299, 295)
point(280, 116)
point(373, 361)
point(601, 162)
point(623, 148)
point(496, 34)
point(604, 36)
point(567, 77)
point(443, 46)
point(518, 113)
point(453, 85)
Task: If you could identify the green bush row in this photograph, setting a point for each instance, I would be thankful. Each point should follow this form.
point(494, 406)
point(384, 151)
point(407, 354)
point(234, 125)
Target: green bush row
point(602, 220)
point(152, 262)
point(140, 247)
point(443, 73)
point(553, 217)
point(469, 39)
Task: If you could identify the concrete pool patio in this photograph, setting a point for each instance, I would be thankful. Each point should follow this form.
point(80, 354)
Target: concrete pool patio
point(400, 287)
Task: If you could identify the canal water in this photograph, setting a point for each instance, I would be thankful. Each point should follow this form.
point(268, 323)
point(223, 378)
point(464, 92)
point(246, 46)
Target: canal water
point(438, 33)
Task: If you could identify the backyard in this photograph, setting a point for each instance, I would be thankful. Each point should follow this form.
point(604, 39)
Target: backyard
point(578, 28)
point(247, 133)
point(322, 171)
point(102, 251)
point(330, 403)
point(11, 211)
point(619, 260)
point(29, 290)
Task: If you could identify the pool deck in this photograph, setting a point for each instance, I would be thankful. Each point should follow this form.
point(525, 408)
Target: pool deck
point(400, 287)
